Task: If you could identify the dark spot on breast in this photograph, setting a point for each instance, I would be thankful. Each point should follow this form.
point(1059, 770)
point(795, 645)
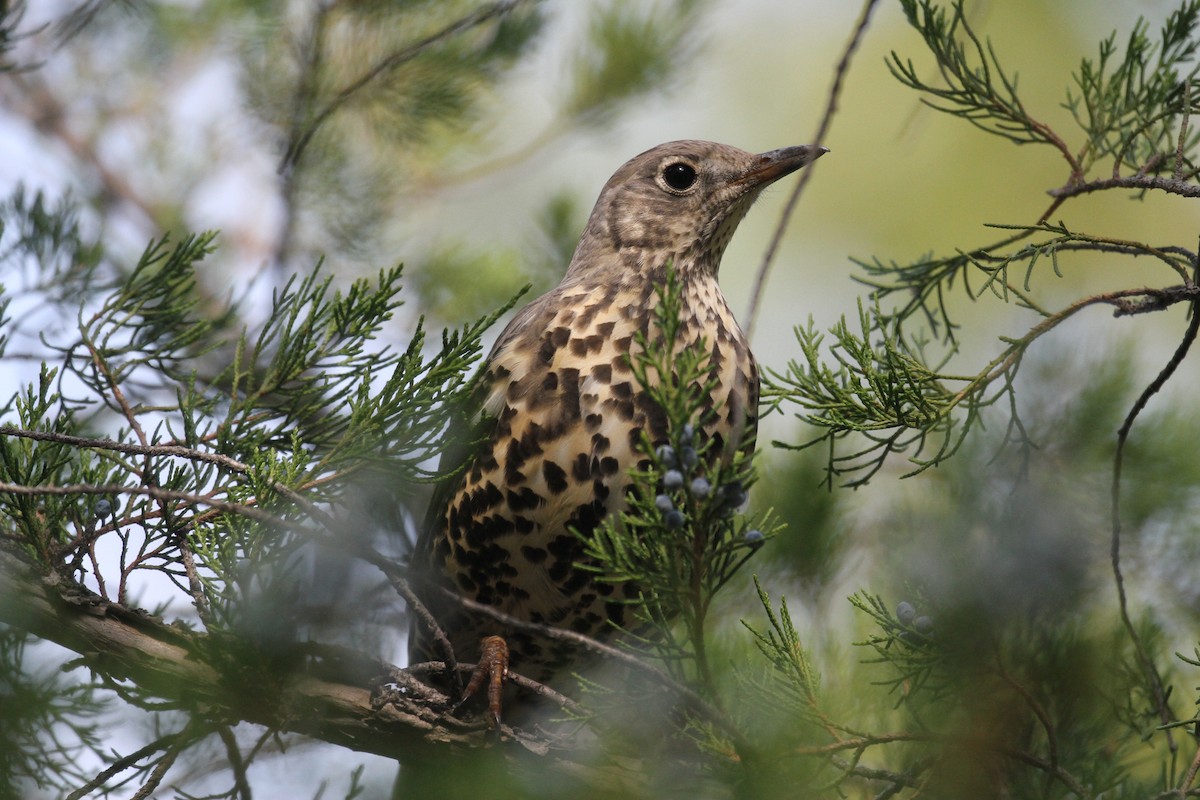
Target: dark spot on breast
point(523, 500)
point(556, 477)
point(600, 443)
point(622, 409)
point(593, 421)
point(717, 357)
point(557, 571)
point(577, 580)
point(534, 555)
point(591, 311)
point(550, 382)
point(602, 373)
point(569, 406)
point(581, 467)
point(635, 437)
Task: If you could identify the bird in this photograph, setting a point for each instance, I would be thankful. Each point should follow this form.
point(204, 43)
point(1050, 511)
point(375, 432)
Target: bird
point(562, 421)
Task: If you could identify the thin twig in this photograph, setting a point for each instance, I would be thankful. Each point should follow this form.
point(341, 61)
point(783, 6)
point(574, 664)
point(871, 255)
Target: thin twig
point(1170, 185)
point(399, 575)
point(157, 774)
point(1186, 784)
point(1038, 709)
point(179, 452)
point(416, 608)
point(149, 491)
point(125, 762)
point(301, 138)
point(540, 689)
point(831, 107)
point(863, 742)
point(237, 764)
point(1150, 671)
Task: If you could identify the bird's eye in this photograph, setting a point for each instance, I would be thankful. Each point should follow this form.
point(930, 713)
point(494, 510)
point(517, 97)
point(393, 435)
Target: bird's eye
point(679, 176)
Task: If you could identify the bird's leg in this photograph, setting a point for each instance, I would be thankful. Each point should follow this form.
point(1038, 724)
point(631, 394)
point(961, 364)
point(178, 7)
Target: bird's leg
point(492, 667)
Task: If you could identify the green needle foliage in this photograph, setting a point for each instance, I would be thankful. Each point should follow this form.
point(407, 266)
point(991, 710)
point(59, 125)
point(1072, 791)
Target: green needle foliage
point(682, 537)
point(998, 654)
point(878, 387)
point(225, 442)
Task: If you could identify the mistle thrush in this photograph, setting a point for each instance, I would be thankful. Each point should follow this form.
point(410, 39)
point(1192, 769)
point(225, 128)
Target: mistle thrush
point(564, 416)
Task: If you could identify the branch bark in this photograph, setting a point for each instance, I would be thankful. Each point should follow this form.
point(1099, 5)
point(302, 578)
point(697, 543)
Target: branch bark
point(183, 667)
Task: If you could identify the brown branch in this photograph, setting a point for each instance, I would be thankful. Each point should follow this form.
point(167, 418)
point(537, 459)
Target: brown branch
point(124, 447)
point(301, 137)
point(158, 773)
point(149, 491)
point(1170, 185)
point(399, 574)
point(1036, 707)
point(237, 764)
point(831, 106)
point(1154, 680)
point(861, 743)
point(1185, 786)
point(179, 451)
point(49, 116)
point(169, 662)
point(125, 762)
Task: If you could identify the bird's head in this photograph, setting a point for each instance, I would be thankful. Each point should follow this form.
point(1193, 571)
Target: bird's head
point(680, 201)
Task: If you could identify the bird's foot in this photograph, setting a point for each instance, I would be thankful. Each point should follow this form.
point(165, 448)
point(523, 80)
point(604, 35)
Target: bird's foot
point(492, 669)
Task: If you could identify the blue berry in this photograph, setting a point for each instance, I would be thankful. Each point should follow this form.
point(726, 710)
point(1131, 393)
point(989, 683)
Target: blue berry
point(700, 488)
point(104, 508)
point(731, 496)
point(672, 480)
point(688, 457)
point(755, 538)
point(666, 456)
point(663, 503)
point(673, 518)
point(923, 625)
point(905, 612)
point(688, 434)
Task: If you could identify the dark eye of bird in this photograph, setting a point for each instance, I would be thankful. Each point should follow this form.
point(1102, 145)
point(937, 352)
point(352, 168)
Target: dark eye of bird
point(679, 176)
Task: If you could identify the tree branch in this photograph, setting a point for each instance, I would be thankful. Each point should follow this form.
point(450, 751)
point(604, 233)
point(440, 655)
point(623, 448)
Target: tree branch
point(178, 665)
point(1170, 185)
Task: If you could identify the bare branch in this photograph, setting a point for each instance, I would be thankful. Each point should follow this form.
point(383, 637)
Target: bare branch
point(831, 107)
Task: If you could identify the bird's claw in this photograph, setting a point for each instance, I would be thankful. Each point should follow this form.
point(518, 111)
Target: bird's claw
point(492, 668)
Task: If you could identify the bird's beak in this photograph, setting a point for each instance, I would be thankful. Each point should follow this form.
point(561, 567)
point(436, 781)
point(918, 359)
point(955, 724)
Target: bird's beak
point(774, 164)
